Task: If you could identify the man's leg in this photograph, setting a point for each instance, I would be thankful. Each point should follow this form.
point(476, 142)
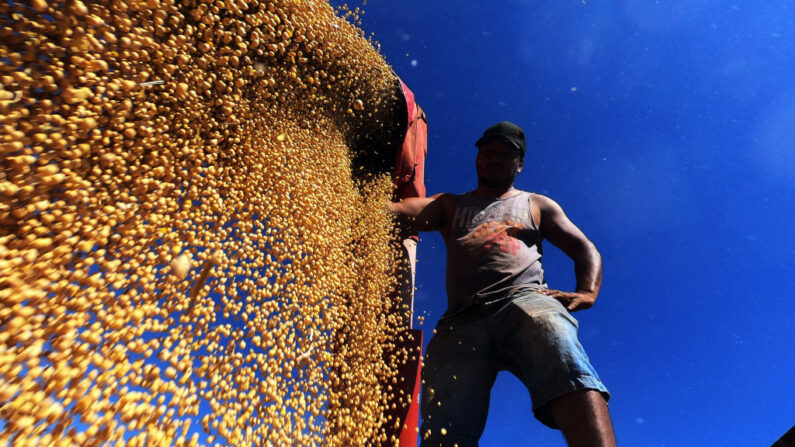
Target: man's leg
point(583, 418)
point(457, 376)
point(538, 340)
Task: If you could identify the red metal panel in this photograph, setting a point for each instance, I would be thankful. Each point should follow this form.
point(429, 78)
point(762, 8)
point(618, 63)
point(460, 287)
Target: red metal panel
point(410, 160)
point(409, 176)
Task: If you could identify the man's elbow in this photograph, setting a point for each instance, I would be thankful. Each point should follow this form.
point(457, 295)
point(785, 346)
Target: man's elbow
point(594, 252)
point(585, 251)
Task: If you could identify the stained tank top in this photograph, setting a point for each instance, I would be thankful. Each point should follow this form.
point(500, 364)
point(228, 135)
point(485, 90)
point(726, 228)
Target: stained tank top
point(494, 248)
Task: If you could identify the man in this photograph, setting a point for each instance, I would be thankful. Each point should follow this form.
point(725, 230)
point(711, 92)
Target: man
point(500, 314)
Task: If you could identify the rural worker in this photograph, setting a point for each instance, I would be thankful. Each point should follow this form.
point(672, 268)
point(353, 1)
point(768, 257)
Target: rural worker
point(500, 313)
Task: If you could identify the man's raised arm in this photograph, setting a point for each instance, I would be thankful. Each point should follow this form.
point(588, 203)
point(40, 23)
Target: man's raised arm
point(562, 233)
point(427, 213)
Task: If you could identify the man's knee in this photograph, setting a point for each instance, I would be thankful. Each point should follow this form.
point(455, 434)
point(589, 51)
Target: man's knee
point(586, 399)
point(583, 418)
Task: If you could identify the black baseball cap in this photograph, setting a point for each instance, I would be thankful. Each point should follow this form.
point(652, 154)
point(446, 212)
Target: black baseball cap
point(506, 130)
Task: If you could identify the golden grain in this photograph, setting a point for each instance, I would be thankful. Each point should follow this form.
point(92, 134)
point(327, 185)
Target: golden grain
point(180, 227)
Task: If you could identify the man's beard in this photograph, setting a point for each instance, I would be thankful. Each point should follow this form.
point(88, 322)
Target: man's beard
point(495, 183)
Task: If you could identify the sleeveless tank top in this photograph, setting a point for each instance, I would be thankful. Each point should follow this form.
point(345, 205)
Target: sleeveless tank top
point(494, 248)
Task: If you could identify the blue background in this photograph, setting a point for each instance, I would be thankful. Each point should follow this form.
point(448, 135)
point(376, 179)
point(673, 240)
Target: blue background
point(665, 129)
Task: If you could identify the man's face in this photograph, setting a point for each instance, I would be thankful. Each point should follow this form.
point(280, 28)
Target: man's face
point(497, 163)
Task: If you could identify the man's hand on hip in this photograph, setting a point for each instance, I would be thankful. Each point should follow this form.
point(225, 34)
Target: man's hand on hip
point(573, 301)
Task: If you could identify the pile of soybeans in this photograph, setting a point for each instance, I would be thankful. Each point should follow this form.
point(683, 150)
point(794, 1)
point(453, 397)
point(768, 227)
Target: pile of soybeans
point(186, 255)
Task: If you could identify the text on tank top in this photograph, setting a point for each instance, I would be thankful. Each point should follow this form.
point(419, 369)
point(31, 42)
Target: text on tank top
point(494, 247)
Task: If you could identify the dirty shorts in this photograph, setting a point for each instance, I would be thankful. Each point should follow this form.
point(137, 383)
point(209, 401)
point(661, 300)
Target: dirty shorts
point(529, 334)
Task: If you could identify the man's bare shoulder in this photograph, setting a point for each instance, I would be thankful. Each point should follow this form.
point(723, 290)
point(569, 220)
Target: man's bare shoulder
point(544, 209)
point(444, 206)
point(542, 202)
point(446, 202)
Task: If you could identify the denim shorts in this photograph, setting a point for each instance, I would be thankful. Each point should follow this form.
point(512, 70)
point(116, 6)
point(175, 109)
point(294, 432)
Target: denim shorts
point(529, 334)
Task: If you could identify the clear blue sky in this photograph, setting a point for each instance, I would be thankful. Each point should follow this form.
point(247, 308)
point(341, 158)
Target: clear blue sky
point(665, 129)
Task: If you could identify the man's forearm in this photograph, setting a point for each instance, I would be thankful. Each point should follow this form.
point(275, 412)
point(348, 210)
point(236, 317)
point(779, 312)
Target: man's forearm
point(407, 207)
point(588, 270)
